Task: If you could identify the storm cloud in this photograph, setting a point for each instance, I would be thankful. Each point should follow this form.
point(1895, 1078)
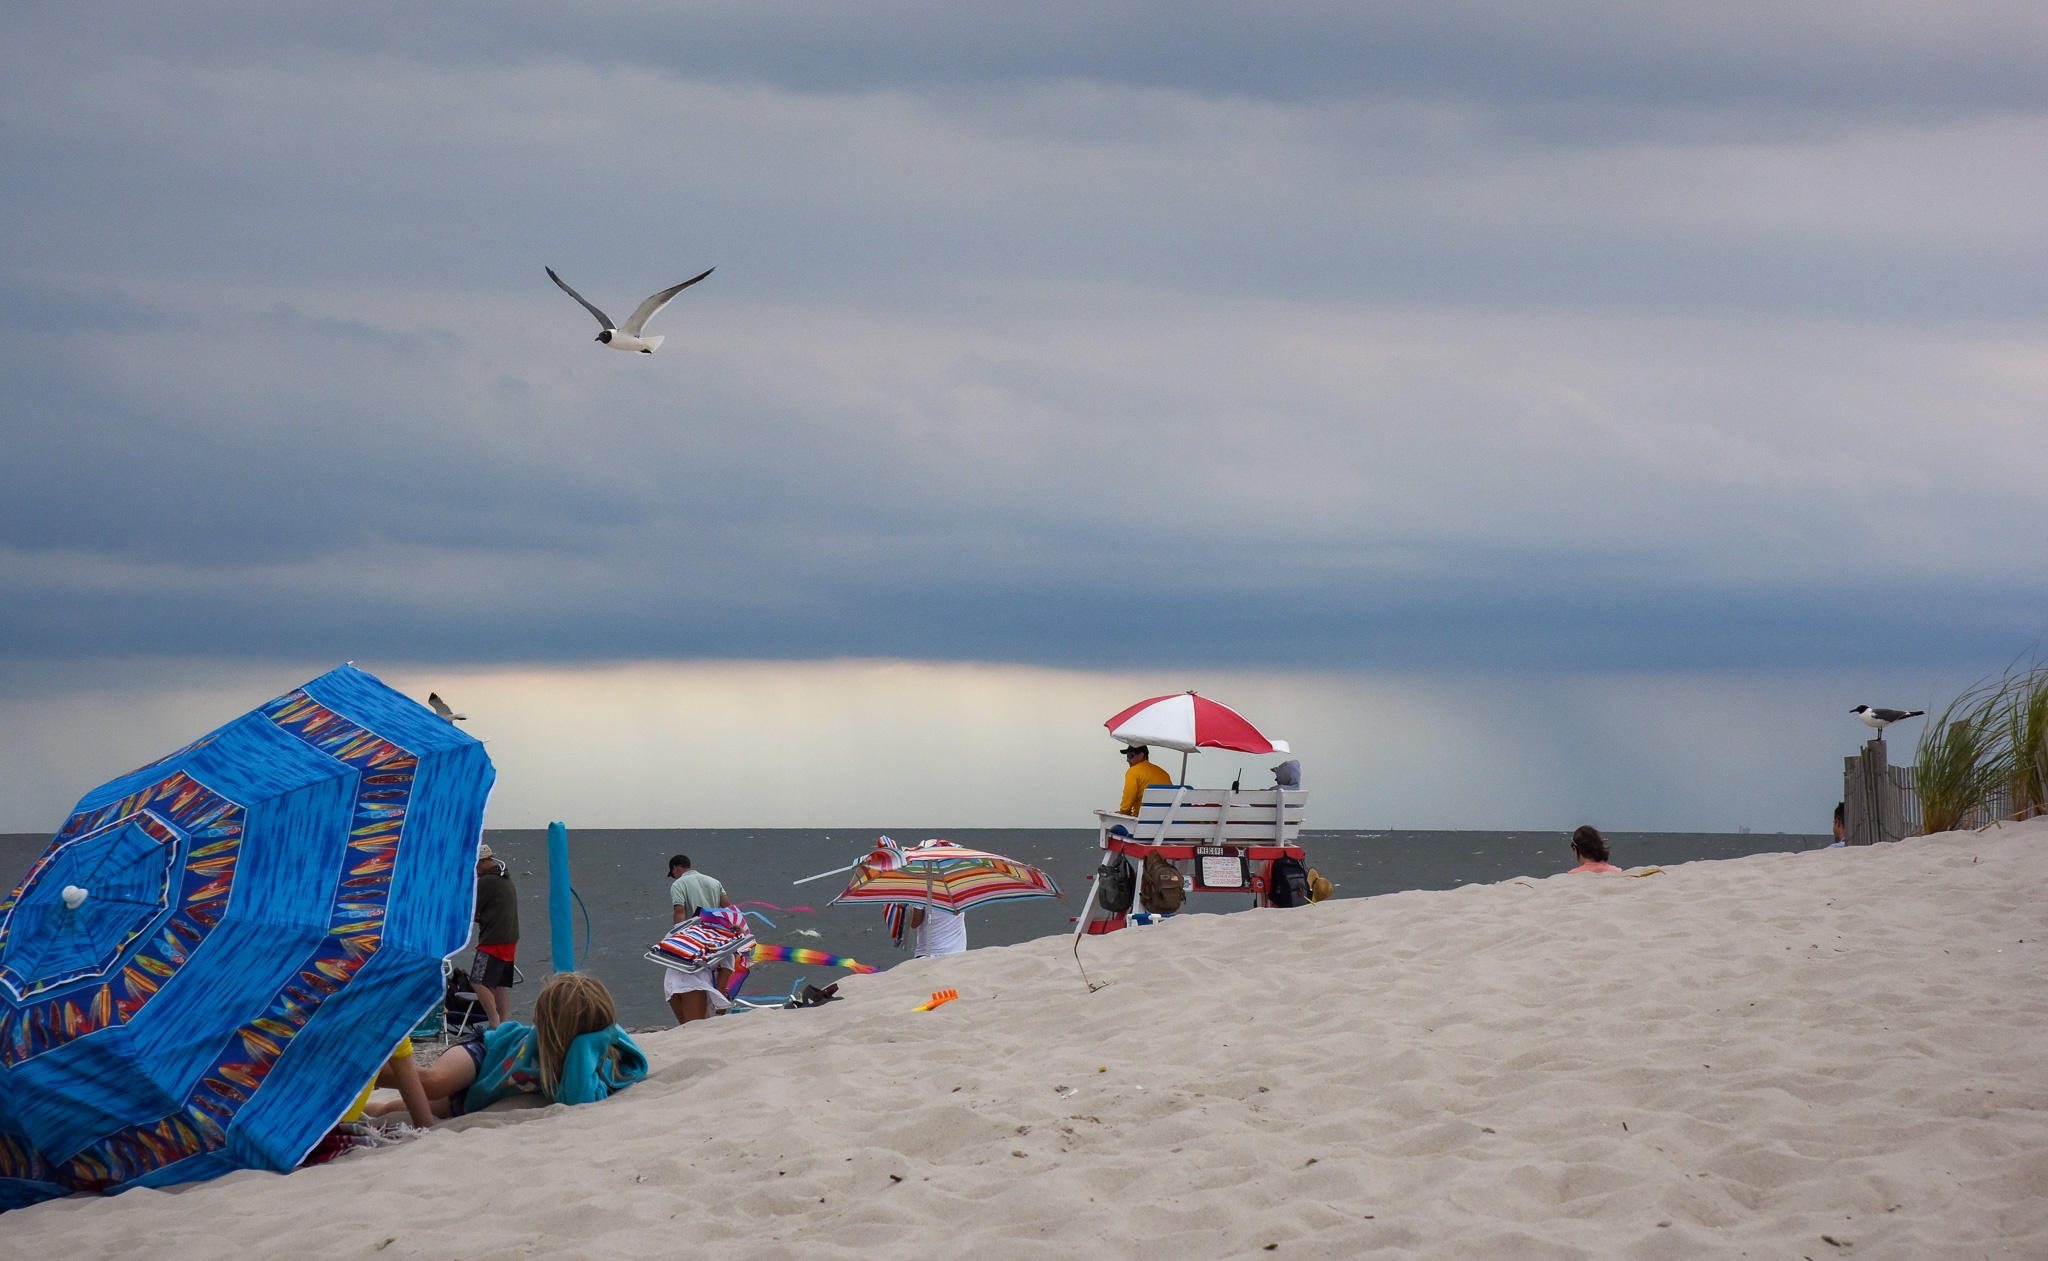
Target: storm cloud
point(1458, 336)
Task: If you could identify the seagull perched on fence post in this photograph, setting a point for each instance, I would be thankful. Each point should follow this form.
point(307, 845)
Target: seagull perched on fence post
point(627, 336)
point(1882, 718)
point(441, 707)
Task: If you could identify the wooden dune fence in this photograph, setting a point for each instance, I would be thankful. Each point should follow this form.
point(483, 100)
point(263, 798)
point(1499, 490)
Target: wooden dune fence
point(1878, 801)
point(1880, 804)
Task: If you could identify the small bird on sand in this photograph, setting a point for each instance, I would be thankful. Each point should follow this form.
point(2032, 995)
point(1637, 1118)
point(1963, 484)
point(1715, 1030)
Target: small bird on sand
point(441, 707)
point(1882, 718)
point(627, 337)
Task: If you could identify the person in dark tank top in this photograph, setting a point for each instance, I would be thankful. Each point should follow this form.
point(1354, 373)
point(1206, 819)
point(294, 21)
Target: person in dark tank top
point(497, 938)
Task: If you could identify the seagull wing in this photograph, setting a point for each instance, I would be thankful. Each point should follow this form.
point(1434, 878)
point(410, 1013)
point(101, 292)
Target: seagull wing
point(439, 706)
point(602, 318)
point(648, 308)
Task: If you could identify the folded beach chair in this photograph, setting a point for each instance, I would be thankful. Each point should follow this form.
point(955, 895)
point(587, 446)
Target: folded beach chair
point(461, 1010)
point(716, 938)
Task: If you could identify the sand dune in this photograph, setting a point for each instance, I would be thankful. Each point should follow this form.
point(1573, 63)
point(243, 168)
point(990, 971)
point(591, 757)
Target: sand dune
point(1830, 1054)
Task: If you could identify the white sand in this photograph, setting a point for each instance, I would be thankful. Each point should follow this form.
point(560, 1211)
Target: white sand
point(1741, 1058)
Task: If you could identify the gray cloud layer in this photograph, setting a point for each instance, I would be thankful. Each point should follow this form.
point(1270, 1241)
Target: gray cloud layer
point(1096, 335)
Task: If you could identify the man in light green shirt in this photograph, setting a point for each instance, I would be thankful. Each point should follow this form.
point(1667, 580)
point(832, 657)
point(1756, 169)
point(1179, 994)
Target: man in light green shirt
point(691, 891)
point(690, 994)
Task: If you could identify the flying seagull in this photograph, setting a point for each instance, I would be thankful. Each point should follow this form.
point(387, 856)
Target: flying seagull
point(628, 337)
point(439, 706)
point(1882, 718)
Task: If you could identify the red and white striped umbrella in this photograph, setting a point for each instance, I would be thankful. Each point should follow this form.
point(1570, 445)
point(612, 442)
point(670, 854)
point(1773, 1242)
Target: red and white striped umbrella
point(1188, 722)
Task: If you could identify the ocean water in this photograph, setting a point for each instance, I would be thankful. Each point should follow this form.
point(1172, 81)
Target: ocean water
point(621, 877)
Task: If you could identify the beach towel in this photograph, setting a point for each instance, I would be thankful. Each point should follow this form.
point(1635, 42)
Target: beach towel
point(590, 1071)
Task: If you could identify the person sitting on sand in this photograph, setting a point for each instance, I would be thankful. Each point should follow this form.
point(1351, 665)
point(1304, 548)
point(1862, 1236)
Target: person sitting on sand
point(1144, 773)
point(400, 1071)
point(575, 1052)
point(1590, 848)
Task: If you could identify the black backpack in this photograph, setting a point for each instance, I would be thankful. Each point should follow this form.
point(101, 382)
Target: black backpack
point(1287, 885)
point(1165, 889)
point(1116, 883)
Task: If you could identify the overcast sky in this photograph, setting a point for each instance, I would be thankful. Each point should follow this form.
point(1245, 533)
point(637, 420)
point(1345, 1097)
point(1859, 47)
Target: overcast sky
point(1543, 346)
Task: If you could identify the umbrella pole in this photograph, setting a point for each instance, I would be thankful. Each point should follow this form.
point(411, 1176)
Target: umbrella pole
point(926, 927)
point(821, 875)
point(1183, 766)
point(561, 926)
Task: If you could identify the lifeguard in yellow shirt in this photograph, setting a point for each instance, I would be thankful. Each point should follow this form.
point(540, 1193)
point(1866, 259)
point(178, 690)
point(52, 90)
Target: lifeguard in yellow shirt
point(1143, 774)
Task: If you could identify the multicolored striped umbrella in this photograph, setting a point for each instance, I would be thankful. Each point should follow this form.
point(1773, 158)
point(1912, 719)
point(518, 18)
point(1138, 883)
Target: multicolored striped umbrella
point(952, 877)
point(219, 949)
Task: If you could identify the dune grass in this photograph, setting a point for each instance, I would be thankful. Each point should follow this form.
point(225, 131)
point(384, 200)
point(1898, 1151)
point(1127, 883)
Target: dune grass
point(1986, 756)
point(1956, 768)
point(2025, 734)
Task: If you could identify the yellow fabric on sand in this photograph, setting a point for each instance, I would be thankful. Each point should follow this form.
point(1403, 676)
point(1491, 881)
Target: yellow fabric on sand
point(355, 1111)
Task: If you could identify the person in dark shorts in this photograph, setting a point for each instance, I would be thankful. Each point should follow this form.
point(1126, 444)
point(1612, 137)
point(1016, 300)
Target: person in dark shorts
point(447, 1080)
point(497, 940)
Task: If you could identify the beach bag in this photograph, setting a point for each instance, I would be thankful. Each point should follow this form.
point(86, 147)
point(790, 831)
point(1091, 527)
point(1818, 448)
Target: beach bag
point(1319, 886)
point(1116, 883)
point(1163, 888)
point(1287, 883)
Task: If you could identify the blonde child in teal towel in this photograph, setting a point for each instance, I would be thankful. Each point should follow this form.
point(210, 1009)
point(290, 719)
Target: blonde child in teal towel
point(574, 1052)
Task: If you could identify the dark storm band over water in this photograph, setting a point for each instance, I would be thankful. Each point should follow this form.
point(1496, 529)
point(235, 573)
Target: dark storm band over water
point(621, 875)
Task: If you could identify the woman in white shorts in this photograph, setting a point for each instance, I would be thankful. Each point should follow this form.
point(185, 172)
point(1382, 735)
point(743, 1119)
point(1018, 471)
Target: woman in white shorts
point(693, 995)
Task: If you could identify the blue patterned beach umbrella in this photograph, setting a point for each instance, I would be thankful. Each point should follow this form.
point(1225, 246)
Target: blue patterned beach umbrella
point(219, 949)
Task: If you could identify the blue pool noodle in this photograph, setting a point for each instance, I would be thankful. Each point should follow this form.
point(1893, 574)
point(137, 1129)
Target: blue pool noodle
point(561, 924)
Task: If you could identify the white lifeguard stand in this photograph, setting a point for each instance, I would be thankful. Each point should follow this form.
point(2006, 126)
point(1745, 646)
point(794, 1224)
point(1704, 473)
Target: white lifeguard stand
point(1222, 841)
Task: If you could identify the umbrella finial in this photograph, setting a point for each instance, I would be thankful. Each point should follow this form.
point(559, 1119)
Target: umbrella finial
point(74, 896)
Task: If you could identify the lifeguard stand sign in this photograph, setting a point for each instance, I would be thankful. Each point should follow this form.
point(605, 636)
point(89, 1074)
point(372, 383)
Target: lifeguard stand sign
point(1222, 870)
